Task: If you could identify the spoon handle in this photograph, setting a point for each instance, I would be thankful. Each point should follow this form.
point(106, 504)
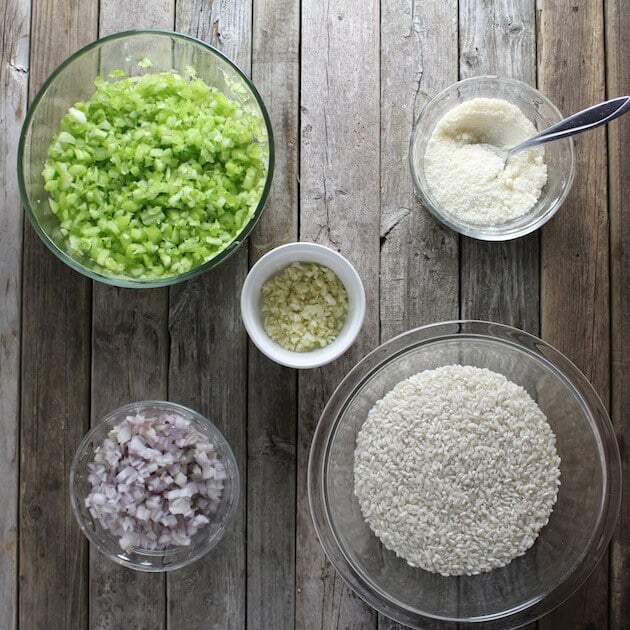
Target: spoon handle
point(588, 118)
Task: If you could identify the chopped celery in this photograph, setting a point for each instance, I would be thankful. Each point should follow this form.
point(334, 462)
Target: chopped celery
point(154, 175)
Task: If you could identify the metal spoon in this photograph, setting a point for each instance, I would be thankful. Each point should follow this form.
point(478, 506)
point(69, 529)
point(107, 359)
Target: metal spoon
point(588, 118)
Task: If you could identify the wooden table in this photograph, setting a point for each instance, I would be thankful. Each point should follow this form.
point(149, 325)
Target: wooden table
point(343, 82)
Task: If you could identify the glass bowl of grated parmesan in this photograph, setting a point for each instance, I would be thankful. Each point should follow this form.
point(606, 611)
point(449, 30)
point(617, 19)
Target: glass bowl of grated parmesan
point(464, 184)
point(303, 305)
point(464, 473)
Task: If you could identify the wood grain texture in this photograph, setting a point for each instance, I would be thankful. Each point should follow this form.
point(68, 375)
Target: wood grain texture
point(55, 380)
point(575, 243)
point(207, 372)
point(618, 82)
point(208, 367)
point(499, 281)
point(14, 68)
point(355, 93)
point(129, 363)
point(419, 257)
point(276, 74)
point(272, 395)
point(339, 207)
point(224, 24)
point(122, 15)
point(419, 268)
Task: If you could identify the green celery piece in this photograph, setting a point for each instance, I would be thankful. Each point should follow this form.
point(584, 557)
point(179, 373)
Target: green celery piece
point(154, 175)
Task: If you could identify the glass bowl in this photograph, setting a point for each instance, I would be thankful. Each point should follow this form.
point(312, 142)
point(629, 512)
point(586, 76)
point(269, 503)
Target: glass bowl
point(567, 548)
point(559, 155)
point(269, 265)
point(73, 81)
point(173, 557)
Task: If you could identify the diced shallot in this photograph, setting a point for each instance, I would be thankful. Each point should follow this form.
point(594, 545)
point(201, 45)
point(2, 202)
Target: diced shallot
point(154, 482)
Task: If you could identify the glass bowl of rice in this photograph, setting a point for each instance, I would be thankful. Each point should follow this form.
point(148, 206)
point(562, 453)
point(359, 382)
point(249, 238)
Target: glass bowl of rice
point(145, 159)
point(154, 486)
point(488, 466)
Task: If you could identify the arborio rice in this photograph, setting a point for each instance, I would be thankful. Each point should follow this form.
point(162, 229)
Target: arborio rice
point(456, 470)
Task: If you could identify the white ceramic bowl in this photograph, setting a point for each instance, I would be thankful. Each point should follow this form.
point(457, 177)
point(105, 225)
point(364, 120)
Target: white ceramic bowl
point(270, 264)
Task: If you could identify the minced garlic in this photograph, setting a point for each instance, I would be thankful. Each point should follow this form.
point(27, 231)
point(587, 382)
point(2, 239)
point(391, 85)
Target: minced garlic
point(304, 306)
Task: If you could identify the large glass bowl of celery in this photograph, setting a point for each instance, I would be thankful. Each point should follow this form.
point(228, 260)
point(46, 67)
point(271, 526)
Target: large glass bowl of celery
point(145, 159)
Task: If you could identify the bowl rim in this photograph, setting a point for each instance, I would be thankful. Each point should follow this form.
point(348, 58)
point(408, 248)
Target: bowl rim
point(226, 451)
point(480, 232)
point(286, 254)
point(124, 281)
point(610, 502)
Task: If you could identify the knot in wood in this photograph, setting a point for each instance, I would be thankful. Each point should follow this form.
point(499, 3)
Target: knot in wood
point(34, 511)
point(471, 59)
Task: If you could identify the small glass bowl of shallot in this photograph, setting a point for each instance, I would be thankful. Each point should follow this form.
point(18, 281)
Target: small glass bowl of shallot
point(154, 486)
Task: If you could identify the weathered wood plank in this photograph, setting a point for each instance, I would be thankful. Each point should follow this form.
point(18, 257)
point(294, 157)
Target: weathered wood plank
point(14, 68)
point(272, 397)
point(207, 372)
point(118, 15)
point(618, 80)
point(500, 281)
point(339, 207)
point(223, 24)
point(129, 362)
point(208, 367)
point(55, 380)
point(419, 268)
point(275, 72)
point(575, 243)
point(419, 265)
point(130, 349)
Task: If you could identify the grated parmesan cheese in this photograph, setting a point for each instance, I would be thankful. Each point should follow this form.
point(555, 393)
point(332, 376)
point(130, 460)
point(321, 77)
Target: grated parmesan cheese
point(469, 180)
point(304, 306)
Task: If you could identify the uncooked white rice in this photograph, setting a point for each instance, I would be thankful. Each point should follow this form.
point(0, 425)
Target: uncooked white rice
point(456, 470)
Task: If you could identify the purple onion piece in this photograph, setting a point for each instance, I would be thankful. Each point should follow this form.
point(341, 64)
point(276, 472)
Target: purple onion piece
point(155, 481)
